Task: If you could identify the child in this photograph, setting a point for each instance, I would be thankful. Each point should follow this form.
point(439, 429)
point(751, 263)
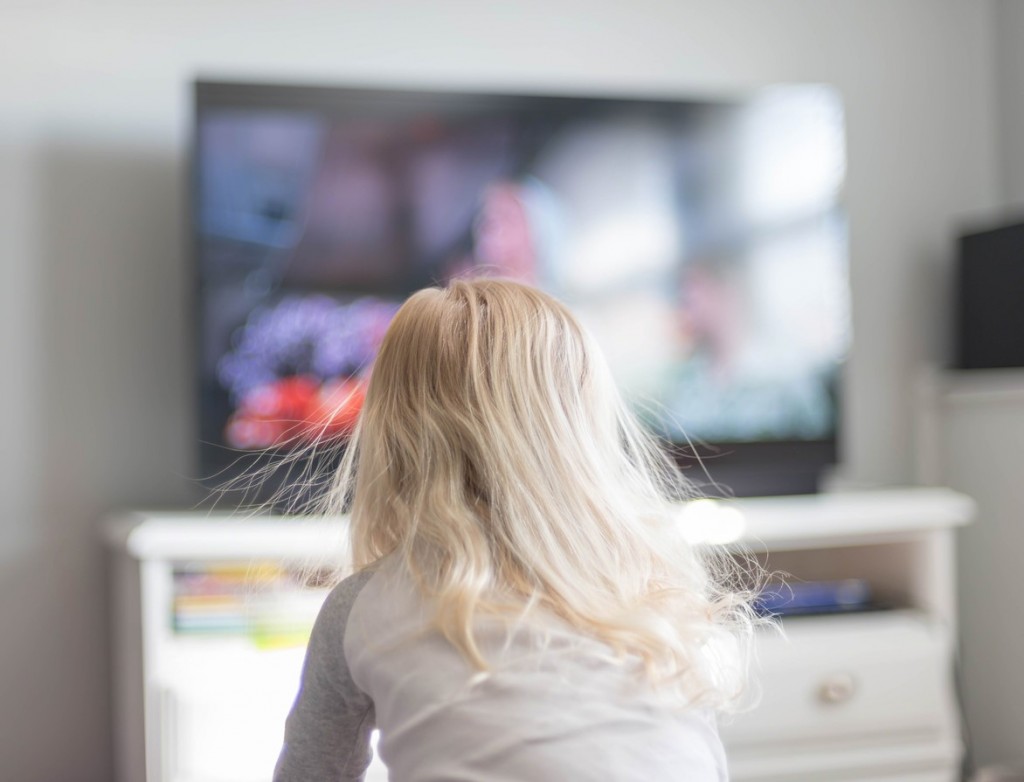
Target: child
point(524, 606)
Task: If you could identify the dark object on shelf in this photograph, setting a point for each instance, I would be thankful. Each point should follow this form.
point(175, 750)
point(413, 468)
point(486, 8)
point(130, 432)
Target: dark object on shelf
point(990, 299)
point(815, 597)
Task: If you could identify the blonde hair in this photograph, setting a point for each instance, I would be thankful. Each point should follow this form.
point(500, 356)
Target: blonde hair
point(495, 458)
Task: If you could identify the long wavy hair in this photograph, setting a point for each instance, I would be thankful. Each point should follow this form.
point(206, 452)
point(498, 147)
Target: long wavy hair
point(496, 459)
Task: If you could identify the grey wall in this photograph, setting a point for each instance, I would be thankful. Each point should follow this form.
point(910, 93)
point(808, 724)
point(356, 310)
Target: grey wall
point(1009, 25)
point(93, 118)
point(981, 426)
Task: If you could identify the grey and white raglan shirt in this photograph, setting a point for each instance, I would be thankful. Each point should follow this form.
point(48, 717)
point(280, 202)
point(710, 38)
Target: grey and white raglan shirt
point(555, 706)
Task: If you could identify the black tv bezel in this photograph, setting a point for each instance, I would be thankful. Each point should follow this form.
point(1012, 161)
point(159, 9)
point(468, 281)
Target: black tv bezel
point(734, 468)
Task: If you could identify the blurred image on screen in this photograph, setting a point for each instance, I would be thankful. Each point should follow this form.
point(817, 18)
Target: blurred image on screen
point(703, 243)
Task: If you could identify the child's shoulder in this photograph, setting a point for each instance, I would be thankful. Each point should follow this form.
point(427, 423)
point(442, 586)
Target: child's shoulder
point(337, 607)
point(345, 592)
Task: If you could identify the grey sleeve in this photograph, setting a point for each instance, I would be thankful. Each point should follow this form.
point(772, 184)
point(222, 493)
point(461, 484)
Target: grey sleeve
point(327, 733)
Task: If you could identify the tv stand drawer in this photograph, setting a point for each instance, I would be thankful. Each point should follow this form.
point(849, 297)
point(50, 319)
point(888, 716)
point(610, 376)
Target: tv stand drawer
point(876, 687)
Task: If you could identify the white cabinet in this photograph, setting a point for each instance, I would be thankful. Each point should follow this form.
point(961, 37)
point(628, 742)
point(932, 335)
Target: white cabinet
point(864, 696)
point(971, 427)
point(860, 696)
point(845, 697)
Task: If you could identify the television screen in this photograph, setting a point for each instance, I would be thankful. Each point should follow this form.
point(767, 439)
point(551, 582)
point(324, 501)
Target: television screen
point(702, 242)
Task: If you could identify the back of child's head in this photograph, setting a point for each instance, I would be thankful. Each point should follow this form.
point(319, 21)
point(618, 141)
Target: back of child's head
point(496, 460)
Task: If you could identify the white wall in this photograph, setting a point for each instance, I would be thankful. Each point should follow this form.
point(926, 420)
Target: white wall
point(93, 120)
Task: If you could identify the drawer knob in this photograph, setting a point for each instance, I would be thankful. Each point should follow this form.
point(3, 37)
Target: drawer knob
point(837, 688)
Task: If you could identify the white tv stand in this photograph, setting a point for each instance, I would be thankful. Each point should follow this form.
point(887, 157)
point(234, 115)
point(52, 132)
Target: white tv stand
point(848, 697)
point(866, 696)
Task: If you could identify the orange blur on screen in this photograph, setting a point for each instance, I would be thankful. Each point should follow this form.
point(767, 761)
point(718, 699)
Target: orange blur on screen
point(296, 409)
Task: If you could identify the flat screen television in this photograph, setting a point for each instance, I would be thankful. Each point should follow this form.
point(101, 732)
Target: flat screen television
point(702, 240)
